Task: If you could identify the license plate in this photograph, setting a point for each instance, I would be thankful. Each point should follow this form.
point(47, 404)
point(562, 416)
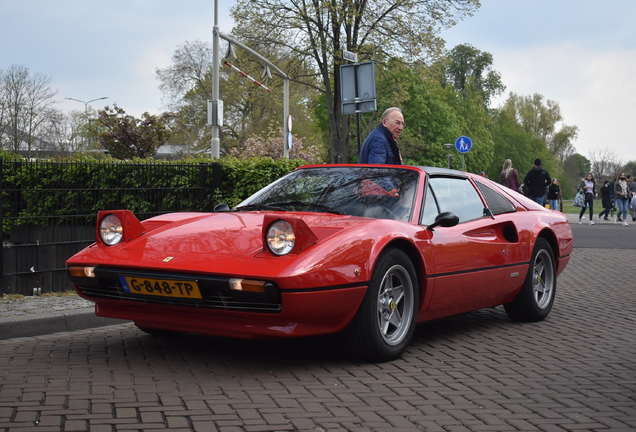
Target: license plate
point(160, 287)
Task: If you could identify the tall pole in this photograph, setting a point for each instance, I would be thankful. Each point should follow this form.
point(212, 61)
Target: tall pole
point(215, 143)
point(448, 147)
point(86, 113)
point(286, 131)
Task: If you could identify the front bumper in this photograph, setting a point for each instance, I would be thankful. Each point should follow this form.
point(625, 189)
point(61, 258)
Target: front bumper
point(220, 311)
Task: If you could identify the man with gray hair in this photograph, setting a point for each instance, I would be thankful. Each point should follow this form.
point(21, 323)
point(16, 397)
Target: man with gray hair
point(380, 146)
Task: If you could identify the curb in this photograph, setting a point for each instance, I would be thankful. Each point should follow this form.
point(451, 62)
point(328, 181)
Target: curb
point(45, 324)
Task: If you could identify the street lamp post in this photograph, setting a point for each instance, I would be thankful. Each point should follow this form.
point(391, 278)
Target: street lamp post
point(448, 148)
point(215, 142)
point(86, 112)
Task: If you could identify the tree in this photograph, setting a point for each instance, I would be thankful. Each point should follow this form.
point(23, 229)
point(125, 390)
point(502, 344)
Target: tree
point(468, 69)
point(319, 31)
point(475, 123)
point(55, 132)
point(127, 137)
point(431, 121)
point(630, 168)
point(561, 144)
point(271, 145)
point(605, 164)
point(434, 115)
point(189, 71)
point(248, 109)
point(540, 119)
point(25, 106)
point(514, 143)
point(575, 167)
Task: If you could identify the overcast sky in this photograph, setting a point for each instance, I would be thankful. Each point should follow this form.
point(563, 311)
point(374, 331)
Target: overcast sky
point(579, 53)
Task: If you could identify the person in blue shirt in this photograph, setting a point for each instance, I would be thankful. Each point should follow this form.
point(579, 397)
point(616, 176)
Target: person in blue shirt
point(381, 147)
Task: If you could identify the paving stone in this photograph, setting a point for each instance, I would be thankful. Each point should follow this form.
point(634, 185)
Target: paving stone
point(480, 371)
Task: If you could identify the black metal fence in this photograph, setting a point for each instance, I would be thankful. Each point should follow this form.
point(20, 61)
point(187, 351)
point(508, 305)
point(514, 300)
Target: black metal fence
point(49, 210)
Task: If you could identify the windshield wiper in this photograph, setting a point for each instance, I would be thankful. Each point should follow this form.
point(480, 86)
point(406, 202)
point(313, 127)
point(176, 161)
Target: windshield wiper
point(316, 207)
point(258, 207)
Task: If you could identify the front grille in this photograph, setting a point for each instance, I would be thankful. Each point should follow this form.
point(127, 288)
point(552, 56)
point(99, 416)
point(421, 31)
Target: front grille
point(214, 290)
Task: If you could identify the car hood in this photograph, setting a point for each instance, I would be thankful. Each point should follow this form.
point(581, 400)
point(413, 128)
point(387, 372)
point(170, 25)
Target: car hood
point(232, 244)
point(226, 234)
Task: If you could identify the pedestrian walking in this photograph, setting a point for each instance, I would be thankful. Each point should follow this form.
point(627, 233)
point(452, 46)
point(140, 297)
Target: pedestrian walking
point(509, 177)
point(623, 195)
point(554, 195)
point(588, 186)
point(612, 195)
point(632, 189)
point(606, 201)
point(536, 180)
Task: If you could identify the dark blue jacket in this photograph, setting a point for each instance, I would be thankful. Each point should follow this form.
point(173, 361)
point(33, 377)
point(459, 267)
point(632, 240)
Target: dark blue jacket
point(380, 148)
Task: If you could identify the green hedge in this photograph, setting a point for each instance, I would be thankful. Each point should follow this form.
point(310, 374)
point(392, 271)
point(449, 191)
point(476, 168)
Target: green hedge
point(244, 177)
point(53, 190)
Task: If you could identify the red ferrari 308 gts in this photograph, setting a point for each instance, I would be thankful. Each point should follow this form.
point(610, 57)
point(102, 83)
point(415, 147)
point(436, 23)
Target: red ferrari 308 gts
point(367, 251)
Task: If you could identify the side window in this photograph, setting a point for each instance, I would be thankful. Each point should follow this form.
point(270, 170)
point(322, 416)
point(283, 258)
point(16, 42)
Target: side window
point(452, 195)
point(430, 211)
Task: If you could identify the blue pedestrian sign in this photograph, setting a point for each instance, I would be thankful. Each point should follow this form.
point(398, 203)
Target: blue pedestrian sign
point(463, 144)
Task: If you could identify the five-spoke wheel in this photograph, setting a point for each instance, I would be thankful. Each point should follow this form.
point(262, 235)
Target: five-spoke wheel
point(535, 300)
point(384, 325)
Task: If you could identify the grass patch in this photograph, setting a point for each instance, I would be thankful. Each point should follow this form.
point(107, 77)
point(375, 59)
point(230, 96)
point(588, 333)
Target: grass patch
point(569, 208)
point(69, 293)
point(13, 297)
point(22, 298)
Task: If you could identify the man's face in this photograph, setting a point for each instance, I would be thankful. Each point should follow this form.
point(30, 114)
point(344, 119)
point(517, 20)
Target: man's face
point(395, 123)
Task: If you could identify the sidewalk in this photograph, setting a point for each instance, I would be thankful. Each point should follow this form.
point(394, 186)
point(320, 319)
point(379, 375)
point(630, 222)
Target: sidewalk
point(573, 218)
point(36, 316)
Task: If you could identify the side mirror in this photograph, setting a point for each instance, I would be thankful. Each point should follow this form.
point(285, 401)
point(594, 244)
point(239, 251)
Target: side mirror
point(221, 208)
point(445, 220)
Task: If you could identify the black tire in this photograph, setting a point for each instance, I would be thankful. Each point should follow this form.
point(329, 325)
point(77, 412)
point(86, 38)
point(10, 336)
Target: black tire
point(535, 300)
point(383, 327)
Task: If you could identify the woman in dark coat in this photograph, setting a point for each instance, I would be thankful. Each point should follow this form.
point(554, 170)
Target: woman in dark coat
point(554, 195)
point(605, 200)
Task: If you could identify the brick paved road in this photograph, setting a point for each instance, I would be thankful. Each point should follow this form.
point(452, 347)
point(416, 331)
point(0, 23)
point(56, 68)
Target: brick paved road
point(576, 371)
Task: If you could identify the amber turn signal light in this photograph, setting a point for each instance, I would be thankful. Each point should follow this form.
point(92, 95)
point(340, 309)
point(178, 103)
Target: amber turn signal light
point(81, 271)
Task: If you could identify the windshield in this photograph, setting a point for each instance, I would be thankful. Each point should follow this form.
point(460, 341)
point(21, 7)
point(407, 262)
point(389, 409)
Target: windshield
point(382, 193)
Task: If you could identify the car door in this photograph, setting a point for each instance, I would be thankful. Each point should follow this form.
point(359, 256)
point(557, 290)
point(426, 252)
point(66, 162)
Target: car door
point(466, 262)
